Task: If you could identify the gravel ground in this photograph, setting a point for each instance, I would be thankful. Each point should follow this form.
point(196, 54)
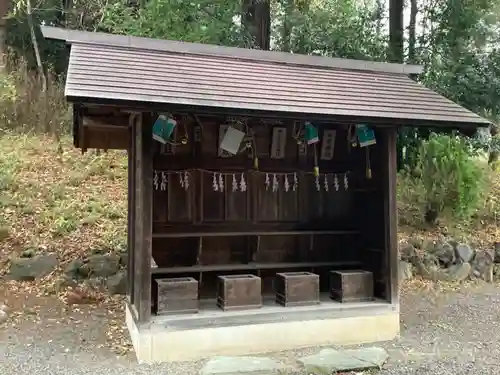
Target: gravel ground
point(443, 332)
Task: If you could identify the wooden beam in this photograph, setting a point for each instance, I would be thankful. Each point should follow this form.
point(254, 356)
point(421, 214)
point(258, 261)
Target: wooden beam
point(390, 213)
point(251, 266)
point(110, 122)
point(176, 234)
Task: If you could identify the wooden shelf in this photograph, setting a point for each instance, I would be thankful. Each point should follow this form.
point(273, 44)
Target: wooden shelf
point(254, 232)
point(249, 266)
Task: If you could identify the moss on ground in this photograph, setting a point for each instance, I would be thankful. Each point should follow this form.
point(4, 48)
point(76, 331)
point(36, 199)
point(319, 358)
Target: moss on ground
point(68, 203)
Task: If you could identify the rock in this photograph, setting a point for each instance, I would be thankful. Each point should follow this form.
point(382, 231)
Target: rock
point(444, 252)
point(123, 259)
point(407, 252)
point(482, 265)
point(96, 282)
point(3, 316)
point(458, 272)
point(4, 233)
point(496, 248)
point(405, 271)
point(417, 243)
point(32, 268)
point(79, 297)
point(329, 361)
point(496, 272)
point(117, 284)
point(29, 253)
point(464, 252)
point(4, 308)
point(84, 271)
point(72, 269)
point(102, 265)
point(453, 243)
point(65, 282)
point(99, 251)
point(427, 266)
point(242, 366)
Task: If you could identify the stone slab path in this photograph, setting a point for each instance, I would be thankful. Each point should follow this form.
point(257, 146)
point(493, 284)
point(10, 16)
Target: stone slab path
point(443, 332)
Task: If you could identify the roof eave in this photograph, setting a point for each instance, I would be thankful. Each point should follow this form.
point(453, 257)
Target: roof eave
point(158, 107)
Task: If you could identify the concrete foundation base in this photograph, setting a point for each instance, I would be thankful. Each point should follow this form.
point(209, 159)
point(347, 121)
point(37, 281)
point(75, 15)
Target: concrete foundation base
point(193, 337)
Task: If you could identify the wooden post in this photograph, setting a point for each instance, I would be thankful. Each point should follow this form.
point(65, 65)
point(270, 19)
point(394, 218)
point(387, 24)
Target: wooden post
point(131, 211)
point(390, 213)
point(143, 217)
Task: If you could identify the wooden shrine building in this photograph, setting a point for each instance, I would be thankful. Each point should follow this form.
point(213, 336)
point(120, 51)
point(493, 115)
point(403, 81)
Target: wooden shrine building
point(262, 189)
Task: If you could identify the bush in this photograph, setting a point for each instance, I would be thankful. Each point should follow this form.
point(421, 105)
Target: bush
point(25, 108)
point(448, 181)
point(452, 179)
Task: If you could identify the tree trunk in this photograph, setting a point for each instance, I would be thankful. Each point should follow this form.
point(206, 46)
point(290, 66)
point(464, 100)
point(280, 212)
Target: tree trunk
point(256, 20)
point(396, 47)
point(4, 8)
point(39, 65)
point(396, 54)
point(36, 48)
point(3, 48)
point(286, 30)
point(412, 33)
point(379, 14)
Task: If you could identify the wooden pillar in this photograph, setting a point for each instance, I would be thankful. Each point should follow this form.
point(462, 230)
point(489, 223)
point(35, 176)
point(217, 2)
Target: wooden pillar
point(143, 218)
point(390, 212)
point(131, 211)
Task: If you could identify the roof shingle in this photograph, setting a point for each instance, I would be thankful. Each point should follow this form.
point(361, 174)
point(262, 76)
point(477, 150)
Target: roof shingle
point(114, 71)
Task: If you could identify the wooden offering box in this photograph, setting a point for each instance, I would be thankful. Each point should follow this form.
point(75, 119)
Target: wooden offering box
point(351, 286)
point(239, 292)
point(297, 288)
point(177, 295)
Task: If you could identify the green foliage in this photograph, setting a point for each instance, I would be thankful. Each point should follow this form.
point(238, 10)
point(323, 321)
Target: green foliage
point(203, 21)
point(451, 179)
point(329, 28)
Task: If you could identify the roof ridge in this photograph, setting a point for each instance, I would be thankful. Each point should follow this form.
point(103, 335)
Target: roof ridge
point(84, 37)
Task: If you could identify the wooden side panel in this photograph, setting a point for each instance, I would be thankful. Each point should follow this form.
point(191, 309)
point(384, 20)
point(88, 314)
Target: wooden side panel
point(371, 210)
point(180, 199)
point(106, 138)
point(212, 201)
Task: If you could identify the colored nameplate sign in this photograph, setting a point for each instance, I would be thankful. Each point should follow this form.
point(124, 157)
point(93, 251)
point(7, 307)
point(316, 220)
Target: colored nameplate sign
point(311, 134)
point(366, 136)
point(163, 128)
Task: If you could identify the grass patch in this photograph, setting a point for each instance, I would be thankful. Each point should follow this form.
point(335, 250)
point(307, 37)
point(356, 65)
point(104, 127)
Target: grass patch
point(69, 203)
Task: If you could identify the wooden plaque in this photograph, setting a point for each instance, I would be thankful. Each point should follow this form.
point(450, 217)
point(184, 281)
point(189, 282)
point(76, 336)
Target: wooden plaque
point(328, 144)
point(278, 145)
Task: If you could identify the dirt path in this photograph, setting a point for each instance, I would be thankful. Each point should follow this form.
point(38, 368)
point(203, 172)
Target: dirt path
point(443, 332)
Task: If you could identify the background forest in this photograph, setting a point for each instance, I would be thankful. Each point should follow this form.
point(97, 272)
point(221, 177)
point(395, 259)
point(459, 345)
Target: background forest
point(443, 183)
